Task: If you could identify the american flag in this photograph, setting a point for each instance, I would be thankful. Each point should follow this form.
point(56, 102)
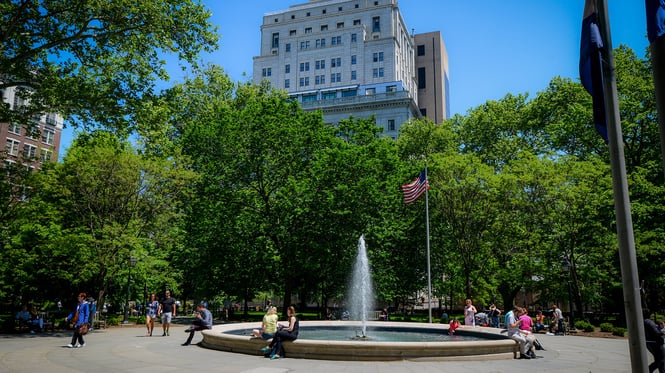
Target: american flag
point(416, 189)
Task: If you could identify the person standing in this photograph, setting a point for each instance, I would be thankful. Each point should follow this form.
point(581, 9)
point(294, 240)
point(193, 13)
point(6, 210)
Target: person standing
point(470, 314)
point(167, 310)
point(494, 316)
point(151, 314)
point(203, 321)
point(92, 304)
point(285, 333)
point(78, 317)
point(654, 340)
point(558, 316)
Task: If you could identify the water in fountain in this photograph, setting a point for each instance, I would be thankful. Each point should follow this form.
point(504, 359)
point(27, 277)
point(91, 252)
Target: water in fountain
point(362, 292)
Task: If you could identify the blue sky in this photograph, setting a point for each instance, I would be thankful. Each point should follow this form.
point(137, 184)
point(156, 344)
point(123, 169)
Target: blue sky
point(494, 47)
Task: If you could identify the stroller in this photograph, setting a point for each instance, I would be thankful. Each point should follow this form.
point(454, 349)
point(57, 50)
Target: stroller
point(482, 319)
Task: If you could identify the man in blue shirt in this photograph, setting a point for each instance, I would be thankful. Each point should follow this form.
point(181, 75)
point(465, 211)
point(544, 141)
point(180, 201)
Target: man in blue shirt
point(203, 321)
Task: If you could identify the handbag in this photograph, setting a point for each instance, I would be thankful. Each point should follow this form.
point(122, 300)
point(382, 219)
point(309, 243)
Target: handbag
point(83, 328)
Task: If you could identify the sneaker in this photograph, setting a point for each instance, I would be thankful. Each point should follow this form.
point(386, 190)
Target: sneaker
point(265, 349)
point(81, 345)
point(164, 335)
point(274, 357)
point(532, 354)
point(524, 356)
point(167, 334)
point(185, 344)
point(70, 345)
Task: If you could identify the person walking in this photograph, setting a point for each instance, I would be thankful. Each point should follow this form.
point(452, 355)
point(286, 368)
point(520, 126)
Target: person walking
point(167, 310)
point(654, 340)
point(284, 333)
point(470, 314)
point(203, 321)
point(79, 317)
point(151, 314)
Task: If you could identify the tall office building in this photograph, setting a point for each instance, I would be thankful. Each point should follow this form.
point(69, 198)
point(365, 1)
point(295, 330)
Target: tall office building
point(432, 76)
point(351, 57)
point(33, 145)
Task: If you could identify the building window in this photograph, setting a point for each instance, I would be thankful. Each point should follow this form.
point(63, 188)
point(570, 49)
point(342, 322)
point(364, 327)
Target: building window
point(267, 71)
point(354, 38)
point(353, 75)
point(292, 32)
point(336, 40)
point(376, 3)
point(349, 93)
point(287, 83)
point(356, 22)
point(304, 66)
point(48, 136)
point(309, 98)
point(353, 59)
point(370, 91)
point(12, 147)
point(304, 44)
point(328, 95)
point(45, 155)
point(336, 62)
point(308, 14)
point(423, 112)
point(323, 11)
point(356, 6)
point(15, 128)
point(391, 89)
point(293, 16)
point(335, 77)
point(324, 27)
point(320, 79)
point(422, 78)
point(29, 151)
point(340, 24)
point(287, 69)
point(275, 40)
point(377, 57)
point(378, 72)
point(308, 30)
point(320, 64)
point(339, 9)
point(33, 133)
point(287, 47)
point(391, 124)
point(421, 50)
point(376, 24)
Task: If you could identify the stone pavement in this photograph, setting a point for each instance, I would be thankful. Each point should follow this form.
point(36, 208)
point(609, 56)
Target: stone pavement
point(126, 349)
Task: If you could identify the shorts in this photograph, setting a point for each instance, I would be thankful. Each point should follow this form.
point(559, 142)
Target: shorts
point(166, 317)
point(267, 335)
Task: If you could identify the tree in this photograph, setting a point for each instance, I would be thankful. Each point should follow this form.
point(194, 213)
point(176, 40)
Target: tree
point(93, 61)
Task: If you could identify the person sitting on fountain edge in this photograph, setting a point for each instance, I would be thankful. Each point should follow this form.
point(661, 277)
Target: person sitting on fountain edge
point(203, 321)
point(284, 333)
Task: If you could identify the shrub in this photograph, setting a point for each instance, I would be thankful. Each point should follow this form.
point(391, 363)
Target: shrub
point(606, 327)
point(585, 325)
point(621, 332)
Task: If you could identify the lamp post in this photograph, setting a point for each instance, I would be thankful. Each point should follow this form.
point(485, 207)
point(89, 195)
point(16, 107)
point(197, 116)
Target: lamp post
point(567, 269)
point(132, 263)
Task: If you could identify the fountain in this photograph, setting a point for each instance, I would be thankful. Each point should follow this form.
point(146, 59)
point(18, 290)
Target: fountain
point(361, 298)
point(331, 340)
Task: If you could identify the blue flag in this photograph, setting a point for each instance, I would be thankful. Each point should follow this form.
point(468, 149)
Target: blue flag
point(655, 19)
point(591, 65)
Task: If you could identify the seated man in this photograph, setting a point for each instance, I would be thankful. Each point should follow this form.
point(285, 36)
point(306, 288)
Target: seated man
point(23, 317)
point(36, 321)
point(383, 316)
point(203, 321)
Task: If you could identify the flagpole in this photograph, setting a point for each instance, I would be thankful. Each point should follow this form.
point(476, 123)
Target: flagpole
point(429, 273)
point(629, 275)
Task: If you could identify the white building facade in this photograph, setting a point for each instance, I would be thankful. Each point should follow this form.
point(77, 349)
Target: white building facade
point(344, 57)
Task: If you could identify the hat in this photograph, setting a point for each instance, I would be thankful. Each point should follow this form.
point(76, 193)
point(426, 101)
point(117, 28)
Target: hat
point(203, 304)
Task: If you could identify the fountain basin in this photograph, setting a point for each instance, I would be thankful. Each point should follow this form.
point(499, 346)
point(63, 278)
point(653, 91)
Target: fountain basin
point(494, 345)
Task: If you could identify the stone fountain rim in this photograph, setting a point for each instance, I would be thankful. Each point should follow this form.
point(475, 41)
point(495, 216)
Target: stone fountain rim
point(499, 346)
